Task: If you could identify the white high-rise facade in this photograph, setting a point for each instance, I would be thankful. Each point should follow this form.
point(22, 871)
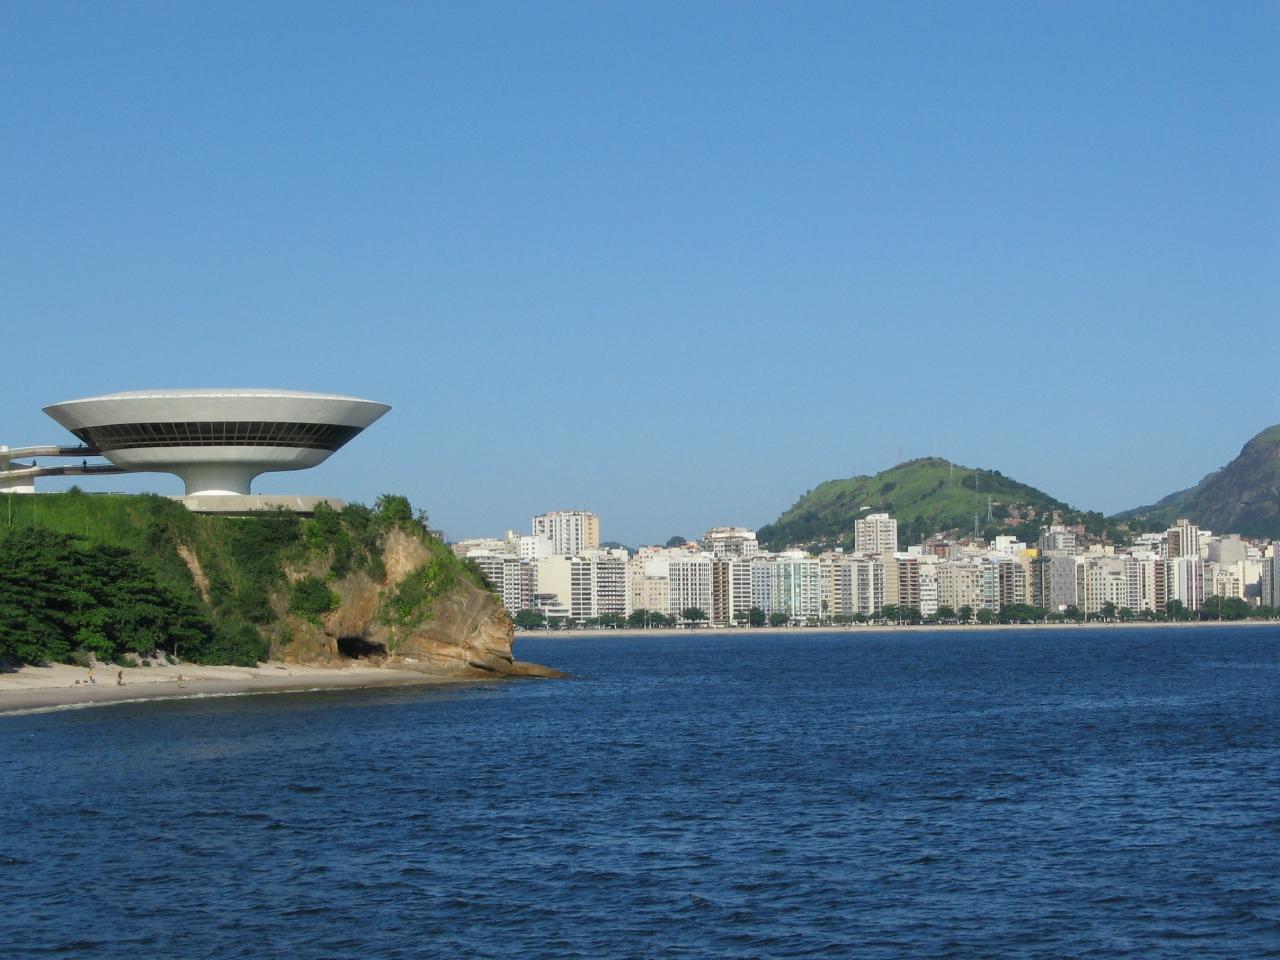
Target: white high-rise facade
point(876, 533)
point(588, 586)
point(1057, 539)
point(795, 586)
point(1186, 581)
point(1271, 578)
point(731, 542)
point(510, 577)
point(1183, 539)
point(689, 585)
point(570, 531)
point(730, 590)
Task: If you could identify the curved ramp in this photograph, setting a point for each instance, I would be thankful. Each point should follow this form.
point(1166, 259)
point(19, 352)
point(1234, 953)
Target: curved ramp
point(21, 477)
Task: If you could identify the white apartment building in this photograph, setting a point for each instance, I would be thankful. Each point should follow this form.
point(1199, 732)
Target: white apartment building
point(868, 587)
point(760, 584)
point(928, 593)
point(852, 585)
point(1185, 580)
point(1007, 546)
point(477, 545)
point(1106, 581)
point(1271, 578)
point(1141, 581)
point(689, 584)
point(609, 580)
point(1183, 539)
point(570, 531)
point(1225, 579)
point(1153, 543)
point(1059, 539)
point(647, 593)
point(876, 533)
point(588, 586)
point(533, 547)
point(492, 565)
point(836, 573)
point(730, 542)
point(795, 585)
point(1065, 583)
point(730, 590)
point(511, 578)
point(960, 584)
point(568, 580)
point(990, 593)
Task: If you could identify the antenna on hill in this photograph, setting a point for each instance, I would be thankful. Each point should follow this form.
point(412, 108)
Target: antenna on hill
point(975, 526)
point(988, 509)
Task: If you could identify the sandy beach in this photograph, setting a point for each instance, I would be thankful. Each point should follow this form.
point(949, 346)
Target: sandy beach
point(856, 629)
point(61, 685)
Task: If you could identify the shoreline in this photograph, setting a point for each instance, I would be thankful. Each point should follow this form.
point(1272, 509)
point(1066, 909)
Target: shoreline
point(856, 629)
point(61, 686)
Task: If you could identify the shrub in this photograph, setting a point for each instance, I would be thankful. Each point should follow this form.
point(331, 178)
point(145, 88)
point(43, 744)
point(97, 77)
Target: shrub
point(311, 598)
point(238, 644)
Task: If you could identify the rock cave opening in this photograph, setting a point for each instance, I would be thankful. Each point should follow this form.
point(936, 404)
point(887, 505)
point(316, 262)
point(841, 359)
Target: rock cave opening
point(358, 648)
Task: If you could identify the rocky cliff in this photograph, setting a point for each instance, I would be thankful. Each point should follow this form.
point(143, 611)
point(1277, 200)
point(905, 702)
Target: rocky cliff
point(466, 633)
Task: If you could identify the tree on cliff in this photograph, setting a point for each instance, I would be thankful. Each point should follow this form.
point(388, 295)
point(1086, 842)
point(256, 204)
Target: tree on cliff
point(56, 597)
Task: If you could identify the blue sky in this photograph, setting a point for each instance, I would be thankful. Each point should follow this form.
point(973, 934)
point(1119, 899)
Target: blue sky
point(674, 263)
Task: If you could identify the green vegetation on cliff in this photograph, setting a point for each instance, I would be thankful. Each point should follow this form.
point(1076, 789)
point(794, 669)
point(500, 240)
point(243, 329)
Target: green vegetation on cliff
point(110, 576)
point(1242, 497)
point(926, 496)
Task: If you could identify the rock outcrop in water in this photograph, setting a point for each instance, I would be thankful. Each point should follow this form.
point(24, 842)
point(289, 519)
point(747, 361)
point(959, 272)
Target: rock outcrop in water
point(466, 633)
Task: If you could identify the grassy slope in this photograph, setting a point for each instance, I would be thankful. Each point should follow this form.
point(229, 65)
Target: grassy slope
point(926, 496)
point(148, 526)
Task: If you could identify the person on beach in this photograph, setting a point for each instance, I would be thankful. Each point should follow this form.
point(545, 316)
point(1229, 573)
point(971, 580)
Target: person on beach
point(119, 678)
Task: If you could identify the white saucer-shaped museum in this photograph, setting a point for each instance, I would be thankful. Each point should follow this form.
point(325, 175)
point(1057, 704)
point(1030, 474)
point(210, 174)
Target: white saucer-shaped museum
point(217, 441)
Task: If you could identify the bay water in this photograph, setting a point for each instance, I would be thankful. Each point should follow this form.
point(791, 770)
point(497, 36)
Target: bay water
point(1010, 793)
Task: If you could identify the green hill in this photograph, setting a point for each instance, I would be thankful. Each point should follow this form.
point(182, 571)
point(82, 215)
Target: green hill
point(926, 496)
point(1242, 497)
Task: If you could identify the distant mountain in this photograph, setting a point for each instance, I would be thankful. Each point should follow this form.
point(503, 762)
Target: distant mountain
point(1242, 497)
point(926, 496)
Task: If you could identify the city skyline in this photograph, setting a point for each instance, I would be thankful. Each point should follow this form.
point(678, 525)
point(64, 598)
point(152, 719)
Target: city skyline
point(720, 254)
point(555, 576)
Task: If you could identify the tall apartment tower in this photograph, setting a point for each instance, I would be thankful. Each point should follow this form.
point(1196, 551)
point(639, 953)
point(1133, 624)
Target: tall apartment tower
point(1183, 539)
point(1271, 578)
point(875, 533)
point(570, 531)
